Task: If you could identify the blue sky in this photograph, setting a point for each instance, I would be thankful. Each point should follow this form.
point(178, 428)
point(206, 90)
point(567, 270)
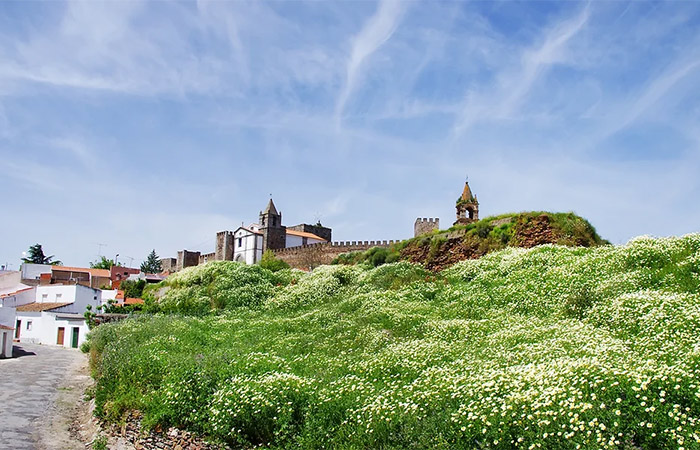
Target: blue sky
point(143, 125)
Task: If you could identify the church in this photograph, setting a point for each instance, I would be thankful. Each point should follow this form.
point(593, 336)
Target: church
point(247, 244)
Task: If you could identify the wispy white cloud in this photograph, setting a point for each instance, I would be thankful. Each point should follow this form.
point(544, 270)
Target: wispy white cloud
point(373, 35)
point(515, 83)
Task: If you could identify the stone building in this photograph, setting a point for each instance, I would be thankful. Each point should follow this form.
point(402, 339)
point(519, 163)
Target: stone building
point(467, 206)
point(247, 244)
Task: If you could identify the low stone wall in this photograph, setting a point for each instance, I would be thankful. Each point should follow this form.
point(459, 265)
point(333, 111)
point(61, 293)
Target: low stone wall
point(309, 256)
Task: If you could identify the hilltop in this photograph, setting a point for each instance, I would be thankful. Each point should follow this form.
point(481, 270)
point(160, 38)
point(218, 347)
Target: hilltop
point(440, 249)
point(551, 347)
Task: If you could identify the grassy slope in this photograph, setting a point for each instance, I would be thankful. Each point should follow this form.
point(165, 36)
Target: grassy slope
point(556, 346)
point(526, 229)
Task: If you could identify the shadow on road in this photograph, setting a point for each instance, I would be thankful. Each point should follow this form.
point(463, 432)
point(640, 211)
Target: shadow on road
point(18, 352)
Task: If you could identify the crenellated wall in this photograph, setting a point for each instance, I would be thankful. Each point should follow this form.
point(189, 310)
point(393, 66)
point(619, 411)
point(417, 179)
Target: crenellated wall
point(425, 225)
point(310, 256)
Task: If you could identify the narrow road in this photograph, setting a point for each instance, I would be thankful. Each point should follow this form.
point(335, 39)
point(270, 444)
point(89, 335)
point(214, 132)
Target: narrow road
point(39, 389)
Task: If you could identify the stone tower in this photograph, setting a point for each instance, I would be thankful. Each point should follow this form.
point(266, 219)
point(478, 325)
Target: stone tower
point(467, 207)
point(425, 225)
point(274, 234)
point(224, 246)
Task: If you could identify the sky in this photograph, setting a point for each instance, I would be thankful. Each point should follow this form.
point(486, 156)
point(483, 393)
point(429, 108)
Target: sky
point(129, 126)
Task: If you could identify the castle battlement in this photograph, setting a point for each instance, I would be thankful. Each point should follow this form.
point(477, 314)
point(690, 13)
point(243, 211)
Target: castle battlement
point(425, 225)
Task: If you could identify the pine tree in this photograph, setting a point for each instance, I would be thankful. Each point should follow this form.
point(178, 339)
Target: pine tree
point(36, 256)
point(152, 263)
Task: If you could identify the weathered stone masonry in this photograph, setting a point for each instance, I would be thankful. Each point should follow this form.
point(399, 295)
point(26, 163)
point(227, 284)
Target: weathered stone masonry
point(317, 254)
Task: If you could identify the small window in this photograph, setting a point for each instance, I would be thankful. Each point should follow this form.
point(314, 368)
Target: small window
point(240, 242)
point(29, 325)
point(274, 221)
point(58, 296)
point(44, 296)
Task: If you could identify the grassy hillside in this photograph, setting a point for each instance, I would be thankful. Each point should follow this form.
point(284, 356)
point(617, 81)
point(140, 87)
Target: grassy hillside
point(552, 347)
point(440, 249)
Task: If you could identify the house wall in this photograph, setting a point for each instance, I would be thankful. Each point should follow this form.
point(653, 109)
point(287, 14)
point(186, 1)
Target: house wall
point(32, 272)
point(79, 296)
point(10, 279)
point(6, 339)
point(21, 298)
point(44, 328)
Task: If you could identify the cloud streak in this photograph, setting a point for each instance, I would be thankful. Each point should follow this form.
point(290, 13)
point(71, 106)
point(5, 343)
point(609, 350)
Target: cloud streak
point(373, 35)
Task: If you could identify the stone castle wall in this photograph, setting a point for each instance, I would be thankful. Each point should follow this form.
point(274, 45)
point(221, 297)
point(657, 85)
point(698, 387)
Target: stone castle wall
point(424, 225)
point(310, 256)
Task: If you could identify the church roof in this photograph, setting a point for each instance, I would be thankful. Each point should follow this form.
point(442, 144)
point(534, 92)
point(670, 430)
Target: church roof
point(270, 208)
point(467, 193)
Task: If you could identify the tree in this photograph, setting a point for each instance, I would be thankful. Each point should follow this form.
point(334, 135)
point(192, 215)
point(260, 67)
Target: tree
point(133, 289)
point(103, 263)
point(152, 263)
point(36, 256)
point(269, 262)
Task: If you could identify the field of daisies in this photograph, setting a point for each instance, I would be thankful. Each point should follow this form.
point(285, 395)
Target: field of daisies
point(550, 347)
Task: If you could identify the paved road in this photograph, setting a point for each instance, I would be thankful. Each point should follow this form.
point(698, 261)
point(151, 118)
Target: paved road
point(29, 387)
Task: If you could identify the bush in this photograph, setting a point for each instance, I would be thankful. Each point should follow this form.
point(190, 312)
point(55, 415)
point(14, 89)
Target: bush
point(271, 263)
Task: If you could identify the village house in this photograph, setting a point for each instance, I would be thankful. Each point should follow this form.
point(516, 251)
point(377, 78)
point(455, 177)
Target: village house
point(7, 318)
point(55, 317)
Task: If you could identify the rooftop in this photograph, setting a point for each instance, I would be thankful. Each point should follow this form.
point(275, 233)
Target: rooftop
point(94, 272)
point(39, 307)
point(305, 234)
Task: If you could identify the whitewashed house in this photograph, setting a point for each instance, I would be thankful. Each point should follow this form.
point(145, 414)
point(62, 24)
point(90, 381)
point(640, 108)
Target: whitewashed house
point(56, 315)
point(7, 319)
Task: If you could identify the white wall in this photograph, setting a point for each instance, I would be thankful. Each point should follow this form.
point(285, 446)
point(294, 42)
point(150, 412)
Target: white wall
point(79, 296)
point(10, 279)
point(21, 298)
point(247, 247)
point(7, 318)
point(297, 241)
point(44, 326)
point(33, 271)
point(6, 344)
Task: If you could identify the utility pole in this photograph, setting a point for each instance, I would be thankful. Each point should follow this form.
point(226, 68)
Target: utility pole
point(130, 258)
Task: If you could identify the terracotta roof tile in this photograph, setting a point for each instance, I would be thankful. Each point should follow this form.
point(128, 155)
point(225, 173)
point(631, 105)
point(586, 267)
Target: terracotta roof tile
point(5, 327)
point(305, 234)
point(133, 301)
point(94, 272)
point(38, 307)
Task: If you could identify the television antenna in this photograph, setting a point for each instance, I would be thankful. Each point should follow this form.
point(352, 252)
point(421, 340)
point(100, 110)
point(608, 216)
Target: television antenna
point(99, 248)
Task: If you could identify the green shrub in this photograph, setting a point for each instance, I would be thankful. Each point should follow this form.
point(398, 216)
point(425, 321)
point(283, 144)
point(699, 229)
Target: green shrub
point(271, 263)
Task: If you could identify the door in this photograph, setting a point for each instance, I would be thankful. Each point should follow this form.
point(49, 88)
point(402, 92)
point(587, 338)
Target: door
point(76, 333)
point(61, 332)
point(17, 328)
point(4, 345)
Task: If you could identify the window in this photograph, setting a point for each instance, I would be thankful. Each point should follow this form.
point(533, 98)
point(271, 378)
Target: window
point(44, 296)
point(29, 325)
point(274, 221)
point(58, 296)
point(240, 242)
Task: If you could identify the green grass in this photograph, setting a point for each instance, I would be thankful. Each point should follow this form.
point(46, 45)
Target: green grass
point(551, 347)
